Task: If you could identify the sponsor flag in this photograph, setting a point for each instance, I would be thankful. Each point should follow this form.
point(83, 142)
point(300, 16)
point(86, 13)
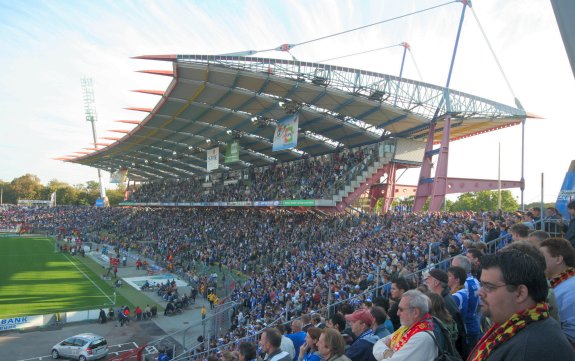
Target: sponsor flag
point(285, 136)
point(213, 158)
point(119, 176)
point(232, 152)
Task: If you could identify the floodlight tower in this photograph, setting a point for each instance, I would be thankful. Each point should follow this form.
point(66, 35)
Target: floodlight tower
point(92, 117)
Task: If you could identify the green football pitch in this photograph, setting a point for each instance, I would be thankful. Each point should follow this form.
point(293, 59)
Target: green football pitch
point(35, 280)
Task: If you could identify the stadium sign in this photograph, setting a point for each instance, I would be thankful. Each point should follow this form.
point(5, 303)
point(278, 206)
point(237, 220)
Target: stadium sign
point(298, 203)
point(14, 323)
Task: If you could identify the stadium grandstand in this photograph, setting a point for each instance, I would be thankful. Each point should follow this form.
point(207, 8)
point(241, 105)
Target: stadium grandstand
point(258, 166)
point(229, 110)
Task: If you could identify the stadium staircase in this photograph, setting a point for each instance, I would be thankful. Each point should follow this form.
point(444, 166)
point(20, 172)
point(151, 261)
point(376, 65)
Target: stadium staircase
point(365, 179)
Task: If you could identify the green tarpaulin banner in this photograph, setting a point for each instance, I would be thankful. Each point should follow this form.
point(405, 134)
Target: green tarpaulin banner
point(232, 152)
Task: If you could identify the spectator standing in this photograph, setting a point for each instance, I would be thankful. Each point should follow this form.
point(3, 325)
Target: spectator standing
point(513, 292)
point(414, 340)
point(331, 346)
point(560, 270)
point(362, 347)
point(270, 343)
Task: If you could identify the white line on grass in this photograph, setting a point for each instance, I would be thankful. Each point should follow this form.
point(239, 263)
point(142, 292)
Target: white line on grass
point(89, 279)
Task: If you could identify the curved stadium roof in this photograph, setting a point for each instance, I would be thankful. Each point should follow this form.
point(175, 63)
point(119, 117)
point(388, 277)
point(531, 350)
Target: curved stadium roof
point(212, 100)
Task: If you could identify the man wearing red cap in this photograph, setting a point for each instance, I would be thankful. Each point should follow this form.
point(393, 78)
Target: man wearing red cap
point(361, 349)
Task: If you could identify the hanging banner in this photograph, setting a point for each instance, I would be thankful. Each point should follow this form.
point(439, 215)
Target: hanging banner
point(119, 176)
point(285, 136)
point(232, 152)
point(213, 159)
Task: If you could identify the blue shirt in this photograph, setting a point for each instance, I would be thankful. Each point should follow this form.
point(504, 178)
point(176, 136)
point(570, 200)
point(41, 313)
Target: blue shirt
point(362, 348)
point(565, 295)
point(298, 339)
point(472, 318)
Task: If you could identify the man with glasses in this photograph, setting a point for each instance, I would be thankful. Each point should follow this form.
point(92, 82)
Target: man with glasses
point(513, 292)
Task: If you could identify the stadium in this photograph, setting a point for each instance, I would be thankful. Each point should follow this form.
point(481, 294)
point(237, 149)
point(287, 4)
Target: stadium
point(260, 203)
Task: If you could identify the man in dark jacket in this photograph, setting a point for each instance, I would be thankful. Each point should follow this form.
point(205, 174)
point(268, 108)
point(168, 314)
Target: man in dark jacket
point(361, 349)
point(437, 283)
point(513, 293)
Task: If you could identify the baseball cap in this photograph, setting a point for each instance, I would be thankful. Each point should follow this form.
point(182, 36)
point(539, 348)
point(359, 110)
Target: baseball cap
point(361, 315)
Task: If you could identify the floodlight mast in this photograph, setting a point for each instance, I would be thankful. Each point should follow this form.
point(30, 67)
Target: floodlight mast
point(92, 117)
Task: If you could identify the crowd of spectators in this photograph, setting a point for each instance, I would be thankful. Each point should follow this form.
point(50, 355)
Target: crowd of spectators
point(290, 259)
point(294, 263)
point(310, 178)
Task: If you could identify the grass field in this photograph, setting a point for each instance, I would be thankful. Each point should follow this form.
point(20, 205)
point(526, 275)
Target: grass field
point(34, 279)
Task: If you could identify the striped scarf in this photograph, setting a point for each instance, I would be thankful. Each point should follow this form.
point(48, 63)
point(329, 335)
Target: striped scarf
point(499, 334)
point(403, 334)
point(563, 276)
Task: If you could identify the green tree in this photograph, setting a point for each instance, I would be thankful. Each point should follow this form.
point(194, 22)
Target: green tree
point(87, 193)
point(484, 200)
point(8, 194)
point(115, 196)
point(27, 186)
point(65, 193)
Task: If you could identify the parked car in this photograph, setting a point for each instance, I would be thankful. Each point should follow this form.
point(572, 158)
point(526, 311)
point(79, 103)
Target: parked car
point(83, 347)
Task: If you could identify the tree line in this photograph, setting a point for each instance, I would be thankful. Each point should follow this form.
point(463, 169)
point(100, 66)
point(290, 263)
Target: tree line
point(29, 186)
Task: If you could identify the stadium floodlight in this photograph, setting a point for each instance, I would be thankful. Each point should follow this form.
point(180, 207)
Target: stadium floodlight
point(92, 117)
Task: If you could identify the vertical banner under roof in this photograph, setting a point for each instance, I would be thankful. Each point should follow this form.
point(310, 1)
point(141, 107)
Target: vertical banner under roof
point(232, 152)
point(213, 159)
point(119, 176)
point(285, 136)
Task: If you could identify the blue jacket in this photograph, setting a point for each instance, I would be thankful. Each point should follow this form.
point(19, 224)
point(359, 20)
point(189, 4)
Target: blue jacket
point(362, 348)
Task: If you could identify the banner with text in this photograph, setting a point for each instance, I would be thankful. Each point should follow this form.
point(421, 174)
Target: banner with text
point(213, 158)
point(285, 136)
point(232, 152)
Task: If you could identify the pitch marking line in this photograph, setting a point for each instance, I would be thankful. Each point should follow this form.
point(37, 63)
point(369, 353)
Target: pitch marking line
point(88, 277)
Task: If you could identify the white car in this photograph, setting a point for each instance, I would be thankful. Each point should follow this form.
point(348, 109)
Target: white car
point(83, 347)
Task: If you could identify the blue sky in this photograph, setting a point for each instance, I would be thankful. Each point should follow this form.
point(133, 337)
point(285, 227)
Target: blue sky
point(46, 47)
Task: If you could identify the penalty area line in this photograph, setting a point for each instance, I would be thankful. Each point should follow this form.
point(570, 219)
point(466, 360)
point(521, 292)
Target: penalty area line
point(88, 277)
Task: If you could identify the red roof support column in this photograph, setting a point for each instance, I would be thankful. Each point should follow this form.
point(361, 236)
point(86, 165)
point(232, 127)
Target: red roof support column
point(425, 172)
point(439, 187)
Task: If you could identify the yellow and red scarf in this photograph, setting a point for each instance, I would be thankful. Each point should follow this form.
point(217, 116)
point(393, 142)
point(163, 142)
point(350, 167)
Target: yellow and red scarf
point(499, 334)
point(563, 276)
point(403, 334)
